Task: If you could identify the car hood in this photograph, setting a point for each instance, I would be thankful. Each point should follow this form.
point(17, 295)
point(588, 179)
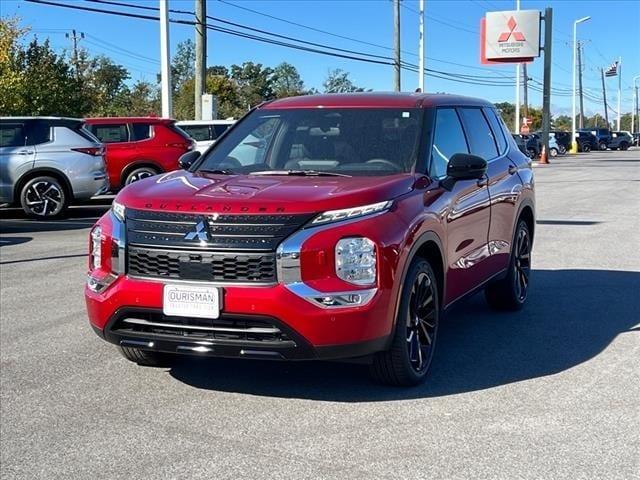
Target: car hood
point(182, 191)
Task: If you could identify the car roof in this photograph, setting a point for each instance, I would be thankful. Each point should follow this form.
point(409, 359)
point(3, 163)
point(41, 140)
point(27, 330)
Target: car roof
point(22, 119)
point(375, 100)
point(205, 122)
point(153, 120)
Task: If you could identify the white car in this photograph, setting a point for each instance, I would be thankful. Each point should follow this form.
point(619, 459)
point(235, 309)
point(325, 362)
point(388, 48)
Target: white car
point(204, 132)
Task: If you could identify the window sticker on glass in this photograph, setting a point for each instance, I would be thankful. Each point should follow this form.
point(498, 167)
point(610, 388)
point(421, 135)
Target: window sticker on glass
point(406, 114)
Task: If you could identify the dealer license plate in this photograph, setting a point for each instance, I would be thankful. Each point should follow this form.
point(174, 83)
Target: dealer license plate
point(191, 301)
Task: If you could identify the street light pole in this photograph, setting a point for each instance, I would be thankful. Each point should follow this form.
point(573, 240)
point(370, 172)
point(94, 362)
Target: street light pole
point(634, 115)
point(574, 144)
point(165, 61)
point(421, 49)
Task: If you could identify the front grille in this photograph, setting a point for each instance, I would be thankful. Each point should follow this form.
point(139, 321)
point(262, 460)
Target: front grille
point(211, 231)
point(231, 328)
point(202, 266)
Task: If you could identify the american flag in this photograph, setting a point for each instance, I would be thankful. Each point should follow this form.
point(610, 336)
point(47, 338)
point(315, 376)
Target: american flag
point(612, 70)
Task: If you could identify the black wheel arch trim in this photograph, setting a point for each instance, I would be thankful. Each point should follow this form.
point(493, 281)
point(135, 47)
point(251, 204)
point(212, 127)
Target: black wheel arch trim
point(42, 171)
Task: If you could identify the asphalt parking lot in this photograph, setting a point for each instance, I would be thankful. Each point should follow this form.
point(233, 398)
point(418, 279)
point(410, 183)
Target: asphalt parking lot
point(549, 392)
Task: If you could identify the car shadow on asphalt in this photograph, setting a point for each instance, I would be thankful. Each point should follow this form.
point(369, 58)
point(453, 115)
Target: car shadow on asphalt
point(571, 316)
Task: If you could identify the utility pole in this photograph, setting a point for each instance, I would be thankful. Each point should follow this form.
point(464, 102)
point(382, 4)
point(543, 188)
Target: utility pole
point(619, 90)
point(516, 128)
point(526, 89)
point(396, 39)
point(581, 122)
point(74, 39)
point(421, 49)
point(165, 74)
point(201, 56)
point(604, 96)
point(546, 79)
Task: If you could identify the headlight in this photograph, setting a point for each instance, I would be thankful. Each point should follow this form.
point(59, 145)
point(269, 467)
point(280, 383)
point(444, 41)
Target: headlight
point(118, 210)
point(348, 213)
point(96, 248)
point(356, 260)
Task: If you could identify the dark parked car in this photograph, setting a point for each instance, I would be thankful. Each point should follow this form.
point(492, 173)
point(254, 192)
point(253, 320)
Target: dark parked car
point(362, 218)
point(528, 144)
point(636, 139)
point(562, 138)
point(586, 141)
point(603, 137)
point(620, 140)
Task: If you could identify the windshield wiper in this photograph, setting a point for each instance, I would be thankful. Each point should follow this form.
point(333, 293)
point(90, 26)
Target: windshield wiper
point(300, 173)
point(217, 172)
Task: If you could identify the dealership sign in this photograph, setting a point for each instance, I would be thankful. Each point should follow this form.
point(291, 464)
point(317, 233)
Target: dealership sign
point(511, 35)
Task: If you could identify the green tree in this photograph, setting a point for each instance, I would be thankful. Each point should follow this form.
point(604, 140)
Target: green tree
point(287, 81)
point(563, 122)
point(338, 81)
point(625, 122)
point(183, 64)
point(254, 83)
point(143, 99)
point(105, 88)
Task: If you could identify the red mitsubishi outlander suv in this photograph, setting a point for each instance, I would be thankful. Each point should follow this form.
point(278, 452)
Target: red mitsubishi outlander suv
point(319, 227)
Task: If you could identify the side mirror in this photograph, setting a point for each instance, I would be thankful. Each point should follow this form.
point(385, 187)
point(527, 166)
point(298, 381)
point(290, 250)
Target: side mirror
point(187, 159)
point(463, 166)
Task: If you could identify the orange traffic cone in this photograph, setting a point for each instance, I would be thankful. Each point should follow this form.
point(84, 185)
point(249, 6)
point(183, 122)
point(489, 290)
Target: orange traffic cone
point(543, 157)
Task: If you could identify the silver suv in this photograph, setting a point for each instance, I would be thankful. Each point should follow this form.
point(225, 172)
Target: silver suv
point(48, 162)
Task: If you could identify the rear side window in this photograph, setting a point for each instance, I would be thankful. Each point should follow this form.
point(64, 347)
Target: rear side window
point(219, 129)
point(498, 132)
point(481, 138)
point(12, 135)
point(200, 133)
point(38, 132)
point(140, 131)
point(448, 139)
point(111, 133)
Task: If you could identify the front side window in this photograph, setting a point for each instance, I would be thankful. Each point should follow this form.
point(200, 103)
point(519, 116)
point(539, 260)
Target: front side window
point(481, 139)
point(357, 141)
point(12, 135)
point(111, 133)
point(448, 139)
point(498, 131)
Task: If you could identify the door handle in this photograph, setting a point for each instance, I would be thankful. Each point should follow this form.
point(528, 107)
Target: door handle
point(512, 169)
point(483, 181)
point(24, 152)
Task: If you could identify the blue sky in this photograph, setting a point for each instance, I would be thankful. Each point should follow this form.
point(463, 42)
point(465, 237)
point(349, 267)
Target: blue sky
point(451, 36)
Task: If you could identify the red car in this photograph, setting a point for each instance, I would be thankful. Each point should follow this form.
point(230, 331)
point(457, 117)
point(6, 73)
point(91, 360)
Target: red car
point(139, 147)
point(319, 227)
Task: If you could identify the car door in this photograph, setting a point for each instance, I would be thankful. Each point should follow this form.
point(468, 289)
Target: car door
point(16, 157)
point(115, 137)
point(466, 213)
point(505, 186)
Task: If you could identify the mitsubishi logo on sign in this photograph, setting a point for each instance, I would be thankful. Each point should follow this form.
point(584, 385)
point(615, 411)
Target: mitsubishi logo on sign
point(200, 233)
point(512, 24)
point(512, 35)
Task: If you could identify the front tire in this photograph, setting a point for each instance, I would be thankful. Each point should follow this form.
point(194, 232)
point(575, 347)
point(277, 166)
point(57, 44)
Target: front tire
point(602, 146)
point(586, 148)
point(510, 293)
point(408, 360)
point(146, 358)
point(553, 152)
point(44, 197)
point(624, 146)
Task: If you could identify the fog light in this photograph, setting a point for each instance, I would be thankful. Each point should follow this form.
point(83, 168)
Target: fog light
point(96, 248)
point(356, 260)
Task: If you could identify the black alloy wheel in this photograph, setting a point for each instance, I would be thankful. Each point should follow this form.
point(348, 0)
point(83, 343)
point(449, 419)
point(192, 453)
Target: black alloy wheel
point(421, 322)
point(602, 146)
point(43, 197)
point(511, 291)
point(410, 354)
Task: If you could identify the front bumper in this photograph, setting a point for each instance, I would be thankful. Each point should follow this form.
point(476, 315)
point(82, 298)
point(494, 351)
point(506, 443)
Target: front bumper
point(306, 331)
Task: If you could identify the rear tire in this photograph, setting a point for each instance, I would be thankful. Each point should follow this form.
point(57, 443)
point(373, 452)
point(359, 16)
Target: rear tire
point(602, 146)
point(44, 197)
point(586, 148)
point(408, 360)
point(531, 153)
point(553, 152)
point(624, 146)
point(510, 293)
point(139, 174)
point(146, 358)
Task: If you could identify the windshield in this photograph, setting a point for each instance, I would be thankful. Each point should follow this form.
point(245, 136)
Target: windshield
point(355, 142)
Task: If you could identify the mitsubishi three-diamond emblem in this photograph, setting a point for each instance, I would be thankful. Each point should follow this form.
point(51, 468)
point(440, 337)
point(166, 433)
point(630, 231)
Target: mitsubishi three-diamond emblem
point(200, 232)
